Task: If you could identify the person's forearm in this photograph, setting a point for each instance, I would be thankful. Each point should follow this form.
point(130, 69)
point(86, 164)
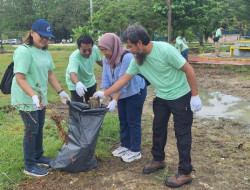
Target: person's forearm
point(53, 81)
point(115, 87)
point(21, 81)
point(117, 96)
point(100, 63)
point(189, 71)
point(73, 77)
point(192, 84)
point(181, 47)
point(118, 84)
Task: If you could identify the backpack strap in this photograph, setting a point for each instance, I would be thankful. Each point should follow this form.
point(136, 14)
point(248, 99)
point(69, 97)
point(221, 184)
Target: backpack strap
point(124, 53)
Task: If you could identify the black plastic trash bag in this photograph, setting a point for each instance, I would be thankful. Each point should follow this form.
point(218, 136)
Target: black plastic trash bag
point(84, 125)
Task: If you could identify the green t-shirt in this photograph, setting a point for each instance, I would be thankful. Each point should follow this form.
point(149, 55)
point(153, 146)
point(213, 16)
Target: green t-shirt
point(218, 33)
point(183, 39)
point(83, 67)
point(178, 44)
point(35, 64)
point(162, 68)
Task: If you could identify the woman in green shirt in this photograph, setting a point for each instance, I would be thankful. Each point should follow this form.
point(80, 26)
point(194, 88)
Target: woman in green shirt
point(33, 68)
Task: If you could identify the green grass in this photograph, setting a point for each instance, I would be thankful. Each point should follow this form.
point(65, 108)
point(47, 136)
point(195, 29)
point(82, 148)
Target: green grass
point(12, 130)
point(207, 48)
point(237, 68)
point(11, 48)
point(62, 48)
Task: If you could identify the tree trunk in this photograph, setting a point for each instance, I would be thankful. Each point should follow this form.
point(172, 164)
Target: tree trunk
point(169, 19)
point(201, 38)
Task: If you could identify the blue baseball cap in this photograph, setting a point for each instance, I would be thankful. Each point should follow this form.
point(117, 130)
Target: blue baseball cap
point(43, 28)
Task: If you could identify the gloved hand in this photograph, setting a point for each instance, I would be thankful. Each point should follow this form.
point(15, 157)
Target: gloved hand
point(64, 97)
point(99, 94)
point(112, 105)
point(80, 89)
point(36, 102)
point(101, 100)
point(195, 103)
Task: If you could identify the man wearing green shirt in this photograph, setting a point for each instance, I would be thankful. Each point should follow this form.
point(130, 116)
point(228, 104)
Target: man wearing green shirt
point(176, 93)
point(181, 46)
point(217, 44)
point(182, 37)
point(80, 76)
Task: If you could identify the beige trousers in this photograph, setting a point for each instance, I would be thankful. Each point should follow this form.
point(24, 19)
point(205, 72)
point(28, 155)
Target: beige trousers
point(217, 48)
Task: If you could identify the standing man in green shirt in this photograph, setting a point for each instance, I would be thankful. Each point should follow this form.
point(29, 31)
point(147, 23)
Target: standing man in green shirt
point(218, 34)
point(176, 93)
point(80, 76)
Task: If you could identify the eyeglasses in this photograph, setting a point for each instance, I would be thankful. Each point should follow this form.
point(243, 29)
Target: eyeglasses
point(86, 50)
point(104, 51)
point(42, 37)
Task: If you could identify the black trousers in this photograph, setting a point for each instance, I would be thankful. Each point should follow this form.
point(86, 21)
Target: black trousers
point(87, 95)
point(183, 119)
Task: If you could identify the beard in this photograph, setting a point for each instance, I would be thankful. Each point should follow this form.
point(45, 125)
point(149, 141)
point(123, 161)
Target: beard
point(140, 57)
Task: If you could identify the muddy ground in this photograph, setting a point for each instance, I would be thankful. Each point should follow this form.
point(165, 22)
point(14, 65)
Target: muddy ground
point(220, 150)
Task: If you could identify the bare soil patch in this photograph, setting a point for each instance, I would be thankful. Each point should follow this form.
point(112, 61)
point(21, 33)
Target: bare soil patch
point(220, 150)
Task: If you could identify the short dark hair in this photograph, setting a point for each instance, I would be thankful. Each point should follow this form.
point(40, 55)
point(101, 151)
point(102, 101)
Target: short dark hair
point(134, 33)
point(174, 38)
point(84, 39)
point(223, 26)
point(182, 35)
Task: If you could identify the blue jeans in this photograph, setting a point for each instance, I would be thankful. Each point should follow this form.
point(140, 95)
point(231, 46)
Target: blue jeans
point(185, 54)
point(130, 112)
point(33, 136)
point(183, 119)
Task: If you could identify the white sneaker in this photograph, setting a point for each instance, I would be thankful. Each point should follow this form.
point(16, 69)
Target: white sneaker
point(131, 156)
point(120, 151)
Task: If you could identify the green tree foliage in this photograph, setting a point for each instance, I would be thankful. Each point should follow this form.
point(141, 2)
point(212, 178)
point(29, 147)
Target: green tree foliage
point(240, 9)
point(241, 17)
point(67, 15)
point(115, 16)
point(72, 18)
point(16, 16)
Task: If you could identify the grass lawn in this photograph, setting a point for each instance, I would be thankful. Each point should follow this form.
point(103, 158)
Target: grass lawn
point(12, 130)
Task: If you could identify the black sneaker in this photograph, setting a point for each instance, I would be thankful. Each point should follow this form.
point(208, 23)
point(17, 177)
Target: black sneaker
point(36, 171)
point(43, 161)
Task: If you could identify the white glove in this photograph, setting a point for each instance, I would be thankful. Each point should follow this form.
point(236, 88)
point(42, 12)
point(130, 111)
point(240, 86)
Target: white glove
point(195, 103)
point(64, 97)
point(112, 105)
point(80, 89)
point(99, 94)
point(36, 102)
point(101, 100)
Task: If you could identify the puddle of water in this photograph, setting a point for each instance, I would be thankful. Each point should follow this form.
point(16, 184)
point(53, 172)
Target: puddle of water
point(217, 105)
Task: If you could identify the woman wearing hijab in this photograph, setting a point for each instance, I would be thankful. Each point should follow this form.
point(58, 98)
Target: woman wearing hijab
point(129, 99)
